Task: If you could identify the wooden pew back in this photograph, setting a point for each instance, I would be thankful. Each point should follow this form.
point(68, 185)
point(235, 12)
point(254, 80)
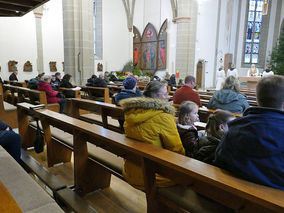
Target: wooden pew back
point(210, 181)
point(97, 93)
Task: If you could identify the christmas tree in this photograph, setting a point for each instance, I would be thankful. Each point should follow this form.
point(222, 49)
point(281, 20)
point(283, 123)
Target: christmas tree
point(277, 55)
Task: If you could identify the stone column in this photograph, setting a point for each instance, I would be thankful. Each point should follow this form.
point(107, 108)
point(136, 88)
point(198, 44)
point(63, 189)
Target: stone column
point(186, 35)
point(78, 39)
point(38, 12)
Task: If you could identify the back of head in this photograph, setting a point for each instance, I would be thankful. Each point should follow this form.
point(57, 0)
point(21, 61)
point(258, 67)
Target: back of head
point(189, 79)
point(153, 88)
point(129, 83)
point(232, 83)
point(270, 92)
point(67, 77)
point(57, 74)
point(46, 78)
point(215, 119)
point(184, 110)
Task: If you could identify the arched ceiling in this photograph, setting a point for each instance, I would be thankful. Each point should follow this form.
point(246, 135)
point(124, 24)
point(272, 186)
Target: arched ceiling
point(16, 8)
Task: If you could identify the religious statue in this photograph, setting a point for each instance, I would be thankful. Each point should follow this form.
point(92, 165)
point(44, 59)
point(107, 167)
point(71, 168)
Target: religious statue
point(12, 66)
point(100, 67)
point(28, 67)
point(52, 66)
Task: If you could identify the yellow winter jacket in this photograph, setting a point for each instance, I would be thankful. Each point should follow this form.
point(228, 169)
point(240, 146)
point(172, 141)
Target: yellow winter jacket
point(150, 121)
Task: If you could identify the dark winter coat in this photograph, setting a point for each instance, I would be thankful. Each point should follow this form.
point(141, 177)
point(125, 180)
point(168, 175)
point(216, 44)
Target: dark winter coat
point(67, 84)
point(127, 93)
point(253, 148)
point(13, 77)
point(206, 149)
point(189, 139)
point(230, 100)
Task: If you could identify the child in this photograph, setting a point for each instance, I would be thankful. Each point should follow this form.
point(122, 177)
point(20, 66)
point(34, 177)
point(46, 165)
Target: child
point(215, 128)
point(188, 114)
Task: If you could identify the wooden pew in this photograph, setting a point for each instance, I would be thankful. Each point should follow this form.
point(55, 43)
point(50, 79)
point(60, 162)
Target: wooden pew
point(8, 112)
point(209, 181)
point(75, 93)
point(10, 93)
point(97, 93)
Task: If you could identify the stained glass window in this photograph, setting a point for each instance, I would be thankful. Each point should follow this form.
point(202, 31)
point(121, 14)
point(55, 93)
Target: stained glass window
point(253, 31)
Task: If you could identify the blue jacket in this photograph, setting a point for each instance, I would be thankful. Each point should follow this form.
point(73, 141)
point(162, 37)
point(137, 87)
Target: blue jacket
point(127, 93)
point(253, 148)
point(230, 100)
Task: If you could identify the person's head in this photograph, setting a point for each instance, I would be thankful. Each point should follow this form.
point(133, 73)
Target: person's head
point(67, 77)
point(217, 123)
point(180, 82)
point(15, 72)
point(270, 92)
point(268, 67)
point(46, 78)
point(58, 75)
point(189, 81)
point(233, 66)
point(106, 73)
point(188, 113)
point(40, 76)
point(173, 76)
point(53, 78)
point(252, 66)
point(101, 76)
point(156, 89)
point(130, 83)
point(232, 83)
point(94, 76)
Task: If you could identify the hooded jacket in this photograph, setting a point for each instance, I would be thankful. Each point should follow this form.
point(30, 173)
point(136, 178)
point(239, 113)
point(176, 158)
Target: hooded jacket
point(253, 148)
point(230, 100)
point(127, 93)
point(50, 93)
point(149, 120)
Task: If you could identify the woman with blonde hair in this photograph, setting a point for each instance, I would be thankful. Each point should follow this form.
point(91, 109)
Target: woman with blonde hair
point(229, 97)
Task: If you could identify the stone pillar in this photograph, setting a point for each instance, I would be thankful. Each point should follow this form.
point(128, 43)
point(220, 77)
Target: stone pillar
point(38, 12)
point(78, 39)
point(186, 36)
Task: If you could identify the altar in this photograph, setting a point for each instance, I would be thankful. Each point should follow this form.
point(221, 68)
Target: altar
point(251, 82)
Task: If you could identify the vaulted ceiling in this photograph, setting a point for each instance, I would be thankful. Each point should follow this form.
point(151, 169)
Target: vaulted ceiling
point(18, 7)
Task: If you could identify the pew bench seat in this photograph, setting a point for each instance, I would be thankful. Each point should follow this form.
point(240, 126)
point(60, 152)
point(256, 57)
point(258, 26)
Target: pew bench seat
point(96, 153)
point(9, 107)
point(29, 196)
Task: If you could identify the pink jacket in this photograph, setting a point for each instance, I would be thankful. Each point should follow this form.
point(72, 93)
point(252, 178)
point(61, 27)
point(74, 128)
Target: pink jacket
point(50, 94)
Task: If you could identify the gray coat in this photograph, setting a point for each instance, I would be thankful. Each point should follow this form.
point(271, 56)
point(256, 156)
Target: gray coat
point(228, 100)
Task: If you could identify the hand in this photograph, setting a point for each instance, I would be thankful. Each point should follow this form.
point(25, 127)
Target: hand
point(8, 129)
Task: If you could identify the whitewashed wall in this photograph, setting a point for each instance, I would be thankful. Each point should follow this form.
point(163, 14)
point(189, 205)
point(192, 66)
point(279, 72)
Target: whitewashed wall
point(18, 40)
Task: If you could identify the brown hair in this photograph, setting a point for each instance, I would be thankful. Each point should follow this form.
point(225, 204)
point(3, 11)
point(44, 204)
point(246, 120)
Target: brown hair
point(188, 79)
point(153, 88)
point(67, 77)
point(185, 109)
point(232, 83)
point(270, 92)
point(215, 119)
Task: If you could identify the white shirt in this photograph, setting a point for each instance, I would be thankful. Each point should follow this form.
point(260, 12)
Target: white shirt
point(265, 74)
point(233, 72)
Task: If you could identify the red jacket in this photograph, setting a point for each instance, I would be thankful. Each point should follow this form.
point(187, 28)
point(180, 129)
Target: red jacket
point(185, 93)
point(50, 94)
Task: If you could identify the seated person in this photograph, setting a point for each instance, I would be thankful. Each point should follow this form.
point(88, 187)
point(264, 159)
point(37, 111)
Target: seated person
point(106, 77)
point(173, 80)
point(113, 77)
point(90, 81)
point(130, 90)
point(65, 83)
point(253, 71)
point(150, 119)
point(13, 76)
point(186, 93)
point(268, 71)
point(253, 148)
point(51, 95)
point(57, 81)
point(52, 82)
point(188, 114)
point(216, 126)
point(229, 97)
point(10, 141)
point(1, 82)
point(33, 83)
point(100, 82)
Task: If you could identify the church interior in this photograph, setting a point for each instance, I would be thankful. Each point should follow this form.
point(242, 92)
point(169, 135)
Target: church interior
point(142, 106)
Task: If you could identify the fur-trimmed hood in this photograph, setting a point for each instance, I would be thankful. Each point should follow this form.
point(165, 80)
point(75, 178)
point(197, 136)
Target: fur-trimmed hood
point(147, 103)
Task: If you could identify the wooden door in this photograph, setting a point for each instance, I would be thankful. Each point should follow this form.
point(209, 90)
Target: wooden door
point(199, 71)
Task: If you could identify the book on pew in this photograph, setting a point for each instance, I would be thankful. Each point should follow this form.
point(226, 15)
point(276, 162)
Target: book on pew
point(76, 88)
point(36, 107)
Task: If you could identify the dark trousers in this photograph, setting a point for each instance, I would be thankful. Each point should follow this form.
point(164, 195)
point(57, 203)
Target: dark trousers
point(12, 143)
point(62, 103)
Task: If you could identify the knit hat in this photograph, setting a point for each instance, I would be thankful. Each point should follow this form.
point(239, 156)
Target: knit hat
point(129, 83)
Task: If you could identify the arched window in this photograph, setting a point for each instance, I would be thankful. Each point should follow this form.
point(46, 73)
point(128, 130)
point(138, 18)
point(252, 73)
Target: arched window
point(253, 32)
point(98, 46)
